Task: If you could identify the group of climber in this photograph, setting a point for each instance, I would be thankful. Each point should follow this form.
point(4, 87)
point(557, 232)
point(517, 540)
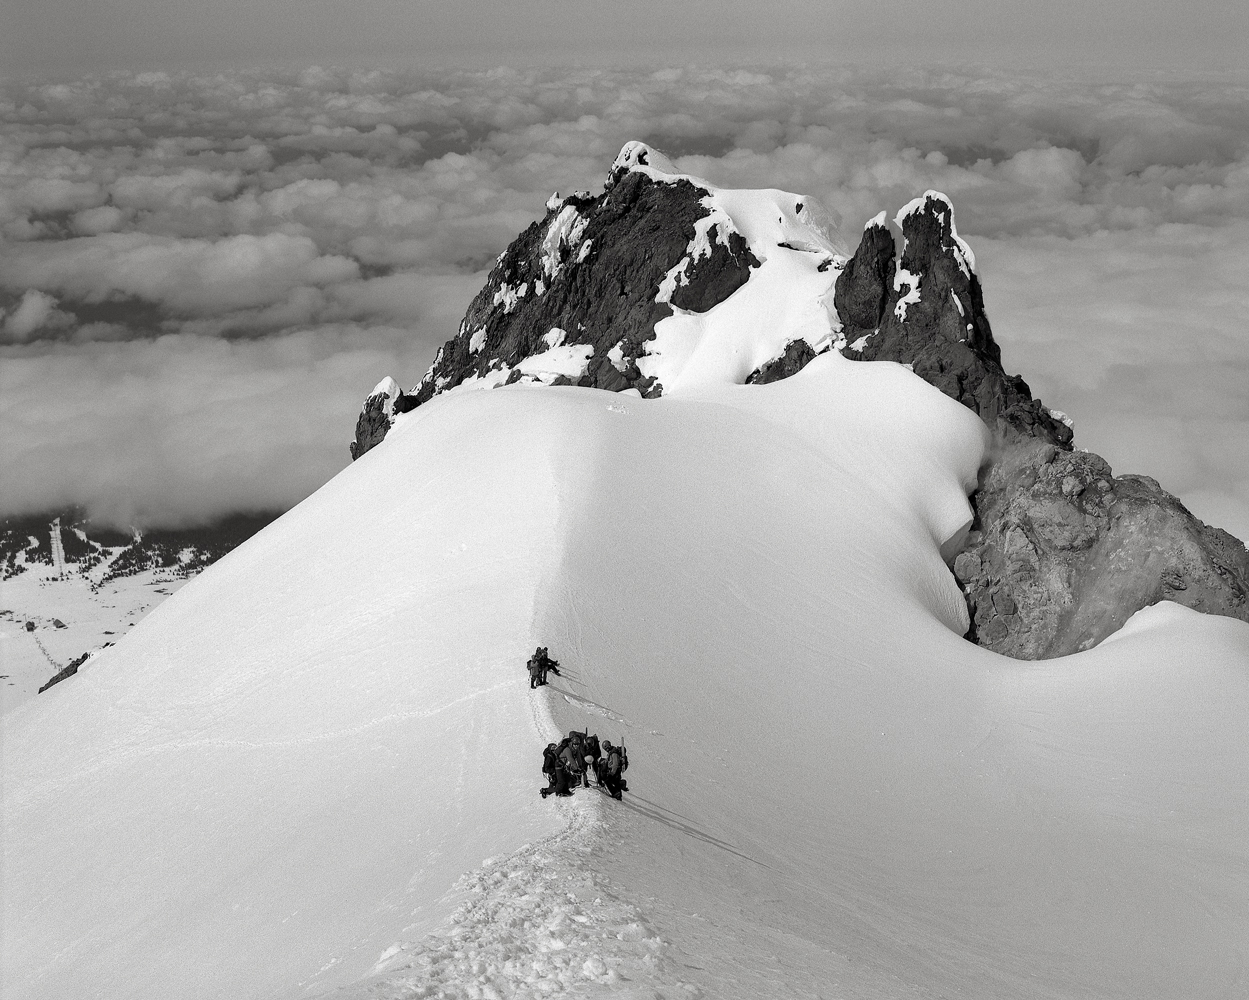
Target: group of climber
point(568, 763)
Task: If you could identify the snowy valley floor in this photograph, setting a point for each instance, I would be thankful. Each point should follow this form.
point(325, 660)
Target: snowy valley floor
point(314, 770)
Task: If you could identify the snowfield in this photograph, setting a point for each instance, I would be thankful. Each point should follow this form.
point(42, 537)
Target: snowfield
point(271, 788)
point(314, 770)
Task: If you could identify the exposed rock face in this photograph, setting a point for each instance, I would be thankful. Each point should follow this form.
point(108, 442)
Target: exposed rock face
point(69, 670)
point(927, 310)
point(795, 357)
point(575, 298)
point(1061, 553)
point(864, 285)
point(376, 416)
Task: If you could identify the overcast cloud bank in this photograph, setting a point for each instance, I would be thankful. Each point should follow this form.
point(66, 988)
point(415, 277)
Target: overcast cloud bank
point(201, 276)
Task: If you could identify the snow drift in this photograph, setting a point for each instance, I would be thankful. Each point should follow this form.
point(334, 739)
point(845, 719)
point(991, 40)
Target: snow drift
point(273, 786)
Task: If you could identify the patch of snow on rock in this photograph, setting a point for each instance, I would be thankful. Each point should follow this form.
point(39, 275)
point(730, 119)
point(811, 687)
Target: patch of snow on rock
point(904, 277)
point(569, 360)
point(1062, 418)
point(510, 297)
point(788, 297)
point(564, 231)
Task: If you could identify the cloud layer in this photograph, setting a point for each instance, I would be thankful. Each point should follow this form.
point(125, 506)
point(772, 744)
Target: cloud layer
point(202, 275)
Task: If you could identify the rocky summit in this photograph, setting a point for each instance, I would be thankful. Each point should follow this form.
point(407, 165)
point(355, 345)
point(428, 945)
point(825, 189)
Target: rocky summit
point(588, 283)
point(1061, 551)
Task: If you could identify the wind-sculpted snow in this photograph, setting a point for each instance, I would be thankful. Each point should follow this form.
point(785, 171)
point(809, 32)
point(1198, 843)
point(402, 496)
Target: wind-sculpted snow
point(274, 786)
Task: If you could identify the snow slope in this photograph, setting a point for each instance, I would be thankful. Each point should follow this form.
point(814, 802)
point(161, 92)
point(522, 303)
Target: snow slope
point(291, 760)
point(313, 770)
point(836, 796)
point(271, 787)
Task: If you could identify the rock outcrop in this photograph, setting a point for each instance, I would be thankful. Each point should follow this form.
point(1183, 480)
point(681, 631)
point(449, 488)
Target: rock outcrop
point(927, 310)
point(576, 296)
point(68, 670)
point(376, 416)
point(1061, 552)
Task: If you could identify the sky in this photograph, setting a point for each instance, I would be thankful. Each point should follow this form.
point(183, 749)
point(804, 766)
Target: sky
point(204, 271)
point(70, 35)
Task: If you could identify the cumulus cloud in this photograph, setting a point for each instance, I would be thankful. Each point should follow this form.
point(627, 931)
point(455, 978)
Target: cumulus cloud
point(1111, 222)
point(35, 312)
point(181, 428)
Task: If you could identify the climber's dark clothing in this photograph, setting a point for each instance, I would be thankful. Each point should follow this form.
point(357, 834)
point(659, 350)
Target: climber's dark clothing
point(539, 665)
point(611, 768)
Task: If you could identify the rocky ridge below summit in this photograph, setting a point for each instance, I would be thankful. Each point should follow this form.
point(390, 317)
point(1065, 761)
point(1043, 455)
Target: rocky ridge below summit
point(1061, 552)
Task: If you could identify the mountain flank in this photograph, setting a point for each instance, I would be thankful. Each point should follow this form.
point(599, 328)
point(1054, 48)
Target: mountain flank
point(1061, 551)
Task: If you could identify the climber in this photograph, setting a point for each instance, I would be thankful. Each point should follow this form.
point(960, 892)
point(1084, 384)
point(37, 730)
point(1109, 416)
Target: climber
point(555, 768)
point(611, 768)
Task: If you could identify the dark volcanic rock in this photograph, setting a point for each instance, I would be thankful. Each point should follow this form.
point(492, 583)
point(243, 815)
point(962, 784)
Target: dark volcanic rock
point(68, 670)
point(597, 272)
point(927, 310)
point(592, 271)
point(864, 285)
point(1062, 553)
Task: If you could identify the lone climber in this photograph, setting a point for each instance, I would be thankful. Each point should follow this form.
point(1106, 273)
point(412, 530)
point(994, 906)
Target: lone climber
point(539, 665)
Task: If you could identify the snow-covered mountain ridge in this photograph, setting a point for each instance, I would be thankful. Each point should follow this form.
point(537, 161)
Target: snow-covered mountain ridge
point(664, 282)
point(313, 771)
point(274, 786)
